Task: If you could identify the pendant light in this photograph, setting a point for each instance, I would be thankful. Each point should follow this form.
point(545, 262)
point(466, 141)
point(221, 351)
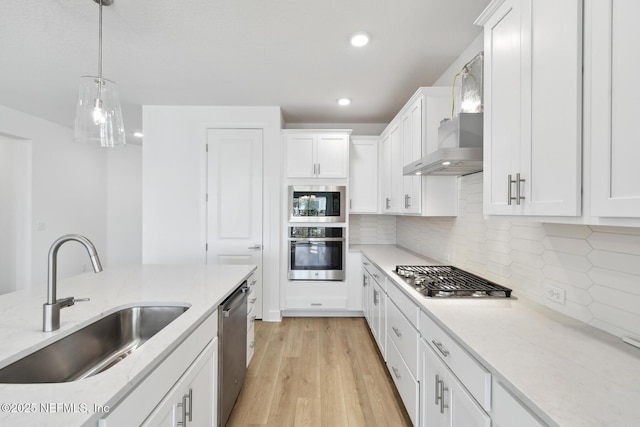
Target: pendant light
point(98, 113)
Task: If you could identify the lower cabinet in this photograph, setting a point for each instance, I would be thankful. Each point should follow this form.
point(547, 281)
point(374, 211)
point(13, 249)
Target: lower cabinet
point(509, 411)
point(183, 385)
point(251, 318)
point(193, 400)
point(444, 400)
point(379, 316)
point(405, 382)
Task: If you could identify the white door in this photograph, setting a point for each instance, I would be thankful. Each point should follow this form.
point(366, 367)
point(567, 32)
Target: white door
point(234, 207)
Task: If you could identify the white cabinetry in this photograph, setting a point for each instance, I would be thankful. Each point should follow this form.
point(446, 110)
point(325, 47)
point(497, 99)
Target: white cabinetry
point(412, 134)
point(392, 169)
point(189, 370)
point(445, 402)
point(509, 411)
point(377, 305)
point(533, 107)
point(193, 400)
point(317, 154)
point(611, 60)
point(252, 298)
point(402, 348)
point(363, 175)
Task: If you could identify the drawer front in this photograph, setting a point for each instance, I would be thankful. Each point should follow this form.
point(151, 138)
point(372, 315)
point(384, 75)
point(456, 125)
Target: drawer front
point(405, 382)
point(375, 272)
point(404, 336)
point(316, 303)
point(475, 378)
point(405, 304)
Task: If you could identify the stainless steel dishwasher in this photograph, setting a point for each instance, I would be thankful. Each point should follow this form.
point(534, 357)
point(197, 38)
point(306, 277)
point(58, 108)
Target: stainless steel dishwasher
point(232, 351)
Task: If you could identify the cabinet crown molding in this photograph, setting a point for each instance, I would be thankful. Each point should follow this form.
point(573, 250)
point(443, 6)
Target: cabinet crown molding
point(488, 12)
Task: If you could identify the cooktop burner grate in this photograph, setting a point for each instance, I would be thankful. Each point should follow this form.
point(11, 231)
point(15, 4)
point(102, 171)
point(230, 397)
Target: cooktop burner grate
point(449, 281)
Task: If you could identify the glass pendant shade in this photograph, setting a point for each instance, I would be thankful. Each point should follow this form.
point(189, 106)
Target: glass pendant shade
point(98, 113)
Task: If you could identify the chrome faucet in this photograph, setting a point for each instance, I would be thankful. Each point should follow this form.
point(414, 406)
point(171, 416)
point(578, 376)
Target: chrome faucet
point(51, 309)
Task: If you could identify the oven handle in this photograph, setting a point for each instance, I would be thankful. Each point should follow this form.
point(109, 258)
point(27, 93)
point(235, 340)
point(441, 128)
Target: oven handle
point(316, 239)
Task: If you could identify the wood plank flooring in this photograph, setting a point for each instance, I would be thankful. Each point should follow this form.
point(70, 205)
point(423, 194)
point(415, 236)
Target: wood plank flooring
point(317, 372)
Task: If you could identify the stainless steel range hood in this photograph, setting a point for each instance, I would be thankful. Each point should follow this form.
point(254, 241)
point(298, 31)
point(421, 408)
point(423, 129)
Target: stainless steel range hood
point(459, 152)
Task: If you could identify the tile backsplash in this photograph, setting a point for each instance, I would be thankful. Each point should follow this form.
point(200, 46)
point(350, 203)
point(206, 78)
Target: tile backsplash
point(372, 229)
point(598, 267)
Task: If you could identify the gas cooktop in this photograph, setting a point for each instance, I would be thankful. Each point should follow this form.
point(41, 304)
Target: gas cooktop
point(446, 281)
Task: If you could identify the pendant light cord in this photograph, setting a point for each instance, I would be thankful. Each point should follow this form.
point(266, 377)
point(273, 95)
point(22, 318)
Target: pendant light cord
point(100, 82)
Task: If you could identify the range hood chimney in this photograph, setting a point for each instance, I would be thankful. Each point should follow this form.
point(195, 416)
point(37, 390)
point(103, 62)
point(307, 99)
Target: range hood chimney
point(460, 138)
point(460, 148)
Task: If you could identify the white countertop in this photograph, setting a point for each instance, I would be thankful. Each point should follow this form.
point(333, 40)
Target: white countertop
point(201, 287)
point(568, 372)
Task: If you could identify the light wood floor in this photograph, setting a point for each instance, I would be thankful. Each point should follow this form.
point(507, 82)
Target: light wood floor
point(317, 372)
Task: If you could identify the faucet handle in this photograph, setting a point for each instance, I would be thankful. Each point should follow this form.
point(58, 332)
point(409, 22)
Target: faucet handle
point(69, 301)
point(81, 299)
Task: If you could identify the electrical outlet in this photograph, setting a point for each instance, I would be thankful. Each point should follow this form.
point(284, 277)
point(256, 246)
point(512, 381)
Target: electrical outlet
point(555, 294)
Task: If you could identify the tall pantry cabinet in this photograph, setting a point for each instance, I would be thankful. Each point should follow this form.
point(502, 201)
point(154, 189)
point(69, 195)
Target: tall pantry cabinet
point(533, 107)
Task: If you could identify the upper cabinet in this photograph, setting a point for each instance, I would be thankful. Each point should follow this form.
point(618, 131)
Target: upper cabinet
point(533, 107)
point(412, 134)
point(612, 58)
point(317, 154)
point(363, 175)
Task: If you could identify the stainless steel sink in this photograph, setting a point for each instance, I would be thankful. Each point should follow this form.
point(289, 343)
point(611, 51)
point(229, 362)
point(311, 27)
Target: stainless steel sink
point(92, 349)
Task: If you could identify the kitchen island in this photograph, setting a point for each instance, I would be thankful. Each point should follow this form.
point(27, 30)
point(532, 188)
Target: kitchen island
point(565, 372)
point(201, 288)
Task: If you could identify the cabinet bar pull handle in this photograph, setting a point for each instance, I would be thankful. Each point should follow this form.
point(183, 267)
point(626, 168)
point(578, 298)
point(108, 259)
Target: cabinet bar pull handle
point(443, 389)
point(316, 304)
point(396, 331)
point(509, 182)
point(387, 203)
point(396, 372)
point(253, 300)
point(437, 389)
point(253, 344)
point(518, 181)
point(440, 347)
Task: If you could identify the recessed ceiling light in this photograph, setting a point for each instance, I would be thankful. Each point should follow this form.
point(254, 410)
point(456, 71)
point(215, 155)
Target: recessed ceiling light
point(344, 101)
point(446, 163)
point(359, 39)
point(138, 134)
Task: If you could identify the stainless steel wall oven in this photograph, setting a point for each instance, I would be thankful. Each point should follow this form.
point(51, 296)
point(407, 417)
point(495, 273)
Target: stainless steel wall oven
point(317, 203)
point(317, 253)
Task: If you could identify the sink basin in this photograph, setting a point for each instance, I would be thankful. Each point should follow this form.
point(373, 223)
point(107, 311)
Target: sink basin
point(92, 349)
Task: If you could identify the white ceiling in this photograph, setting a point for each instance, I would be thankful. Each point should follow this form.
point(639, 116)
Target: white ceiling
point(290, 53)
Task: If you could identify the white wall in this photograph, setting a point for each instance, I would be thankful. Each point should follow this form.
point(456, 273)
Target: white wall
point(15, 214)
point(174, 183)
point(68, 192)
point(124, 202)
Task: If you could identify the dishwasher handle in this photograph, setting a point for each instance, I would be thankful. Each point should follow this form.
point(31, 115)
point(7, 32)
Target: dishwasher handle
point(235, 302)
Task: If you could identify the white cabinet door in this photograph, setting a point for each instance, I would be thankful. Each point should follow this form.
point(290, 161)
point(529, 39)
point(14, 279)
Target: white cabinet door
point(332, 156)
point(532, 119)
point(445, 402)
point(300, 161)
point(379, 317)
point(613, 59)
point(317, 155)
point(194, 396)
point(396, 201)
point(363, 175)
point(411, 123)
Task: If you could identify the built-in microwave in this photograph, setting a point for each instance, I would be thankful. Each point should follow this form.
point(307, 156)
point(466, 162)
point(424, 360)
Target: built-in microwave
point(317, 253)
point(317, 203)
